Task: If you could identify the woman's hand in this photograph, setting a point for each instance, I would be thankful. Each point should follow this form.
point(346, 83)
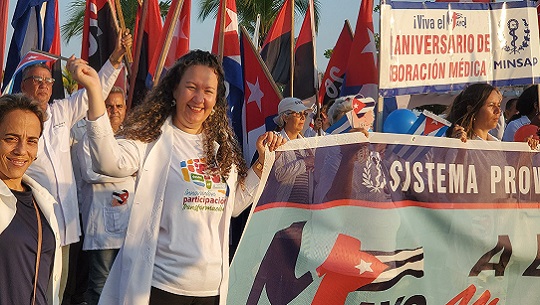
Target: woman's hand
point(533, 142)
point(459, 133)
point(82, 72)
point(270, 139)
point(360, 129)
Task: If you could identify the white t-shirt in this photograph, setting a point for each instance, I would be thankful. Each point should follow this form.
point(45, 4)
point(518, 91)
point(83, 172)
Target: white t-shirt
point(189, 250)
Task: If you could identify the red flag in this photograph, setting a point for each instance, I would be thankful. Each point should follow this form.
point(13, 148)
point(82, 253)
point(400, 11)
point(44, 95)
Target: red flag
point(261, 96)
point(180, 18)
point(361, 74)
point(335, 71)
point(277, 47)
point(150, 45)
point(4, 7)
point(306, 80)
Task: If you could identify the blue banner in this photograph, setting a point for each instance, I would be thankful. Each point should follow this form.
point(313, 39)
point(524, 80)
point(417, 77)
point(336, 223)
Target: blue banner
point(397, 220)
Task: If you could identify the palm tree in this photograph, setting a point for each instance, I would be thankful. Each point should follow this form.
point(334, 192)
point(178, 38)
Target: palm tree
point(69, 83)
point(248, 10)
point(74, 24)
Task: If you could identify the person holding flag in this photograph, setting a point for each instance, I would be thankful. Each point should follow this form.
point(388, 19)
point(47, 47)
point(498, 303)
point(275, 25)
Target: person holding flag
point(192, 178)
point(53, 168)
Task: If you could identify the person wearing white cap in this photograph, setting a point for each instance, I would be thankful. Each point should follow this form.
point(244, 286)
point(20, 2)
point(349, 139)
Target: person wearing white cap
point(294, 168)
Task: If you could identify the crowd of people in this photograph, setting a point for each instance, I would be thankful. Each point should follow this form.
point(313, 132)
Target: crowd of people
point(155, 188)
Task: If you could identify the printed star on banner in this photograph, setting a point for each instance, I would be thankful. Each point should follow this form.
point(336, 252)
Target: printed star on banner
point(256, 93)
point(370, 47)
point(364, 266)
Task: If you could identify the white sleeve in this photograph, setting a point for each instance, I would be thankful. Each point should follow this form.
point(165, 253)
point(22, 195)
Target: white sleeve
point(111, 157)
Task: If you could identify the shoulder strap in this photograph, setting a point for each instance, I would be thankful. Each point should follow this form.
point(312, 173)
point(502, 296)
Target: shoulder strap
point(38, 254)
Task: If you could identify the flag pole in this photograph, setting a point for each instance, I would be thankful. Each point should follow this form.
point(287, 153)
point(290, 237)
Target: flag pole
point(380, 100)
point(138, 48)
point(256, 33)
point(291, 78)
point(121, 20)
point(50, 54)
point(167, 42)
point(221, 33)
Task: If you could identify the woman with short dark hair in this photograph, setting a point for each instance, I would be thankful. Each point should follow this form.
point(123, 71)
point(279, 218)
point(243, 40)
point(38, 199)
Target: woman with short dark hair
point(30, 257)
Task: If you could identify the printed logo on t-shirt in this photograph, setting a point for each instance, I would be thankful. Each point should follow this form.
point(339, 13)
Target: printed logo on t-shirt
point(193, 170)
point(214, 195)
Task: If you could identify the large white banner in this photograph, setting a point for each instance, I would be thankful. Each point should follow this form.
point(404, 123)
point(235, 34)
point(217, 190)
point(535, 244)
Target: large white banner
point(439, 47)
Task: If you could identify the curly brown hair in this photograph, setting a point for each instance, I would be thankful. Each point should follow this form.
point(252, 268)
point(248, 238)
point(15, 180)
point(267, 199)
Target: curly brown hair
point(466, 105)
point(145, 121)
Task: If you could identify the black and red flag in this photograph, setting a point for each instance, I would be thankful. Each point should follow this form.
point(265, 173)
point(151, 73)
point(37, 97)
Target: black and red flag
point(99, 33)
point(277, 47)
point(56, 68)
point(306, 80)
point(150, 45)
point(335, 71)
point(261, 96)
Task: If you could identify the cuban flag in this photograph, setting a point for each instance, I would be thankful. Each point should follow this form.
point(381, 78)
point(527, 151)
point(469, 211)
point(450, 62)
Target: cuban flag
point(429, 124)
point(348, 268)
point(261, 96)
point(361, 116)
point(361, 72)
point(31, 58)
point(232, 63)
point(33, 24)
point(177, 28)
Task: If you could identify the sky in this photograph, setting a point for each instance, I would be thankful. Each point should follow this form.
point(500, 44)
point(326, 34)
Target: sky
point(332, 17)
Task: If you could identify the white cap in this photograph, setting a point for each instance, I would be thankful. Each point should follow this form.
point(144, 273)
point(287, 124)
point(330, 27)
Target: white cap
point(289, 104)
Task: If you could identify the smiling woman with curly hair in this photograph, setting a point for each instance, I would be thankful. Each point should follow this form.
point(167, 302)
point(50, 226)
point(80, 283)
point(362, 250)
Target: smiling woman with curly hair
point(191, 178)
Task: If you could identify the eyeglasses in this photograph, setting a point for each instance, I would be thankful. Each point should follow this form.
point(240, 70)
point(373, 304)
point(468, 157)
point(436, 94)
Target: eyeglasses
point(38, 80)
point(298, 114)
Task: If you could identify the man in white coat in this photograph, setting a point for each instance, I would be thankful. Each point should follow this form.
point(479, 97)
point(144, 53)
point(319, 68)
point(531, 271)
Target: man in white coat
point(53, 169)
